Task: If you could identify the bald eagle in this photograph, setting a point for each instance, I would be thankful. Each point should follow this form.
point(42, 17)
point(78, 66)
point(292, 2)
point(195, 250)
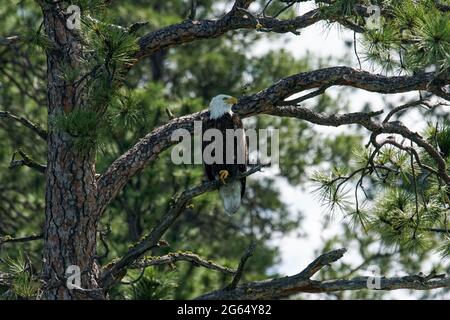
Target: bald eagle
point(221, 117)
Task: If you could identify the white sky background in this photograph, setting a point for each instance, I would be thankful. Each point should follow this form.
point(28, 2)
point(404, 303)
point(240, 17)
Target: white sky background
point(297, 252)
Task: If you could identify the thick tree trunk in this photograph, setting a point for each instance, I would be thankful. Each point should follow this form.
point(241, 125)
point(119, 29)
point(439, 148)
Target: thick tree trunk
point(70, 212)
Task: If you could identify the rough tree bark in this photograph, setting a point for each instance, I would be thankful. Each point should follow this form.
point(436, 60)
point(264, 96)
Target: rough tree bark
point(70, 193)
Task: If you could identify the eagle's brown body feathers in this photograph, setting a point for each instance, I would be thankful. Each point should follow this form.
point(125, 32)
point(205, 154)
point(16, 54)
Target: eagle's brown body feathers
point(227, 121)
point(220, 167)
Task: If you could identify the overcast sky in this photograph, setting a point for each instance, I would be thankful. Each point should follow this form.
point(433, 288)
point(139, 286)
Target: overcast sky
point(298, 252)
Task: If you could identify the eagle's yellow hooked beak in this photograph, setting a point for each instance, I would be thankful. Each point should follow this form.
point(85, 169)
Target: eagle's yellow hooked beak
point(232, 100)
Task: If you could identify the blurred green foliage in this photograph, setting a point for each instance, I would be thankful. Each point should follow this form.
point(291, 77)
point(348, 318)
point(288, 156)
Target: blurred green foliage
point(184, 79)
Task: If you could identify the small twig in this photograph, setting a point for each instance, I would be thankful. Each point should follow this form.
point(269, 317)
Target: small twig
point(135, 27)
point(170, 114)
point(410, 151)
point(240, 269)
point(324, 260)
point(103, 234)
point(442, 7)
point(356, 50)
point(416, 195)
point(399, 128)
point(8, 239)
point(134, 281)
point(288, 286)
point(26, 161)
point(251, 16)
point(193, 12)
point(177, 207)
point(284, 9)
point(266, 7)
point(403, 107)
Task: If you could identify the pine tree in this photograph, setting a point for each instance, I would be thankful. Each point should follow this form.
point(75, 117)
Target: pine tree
point(113, 91)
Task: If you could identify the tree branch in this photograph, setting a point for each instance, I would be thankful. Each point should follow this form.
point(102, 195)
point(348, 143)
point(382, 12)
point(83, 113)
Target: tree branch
point(26, 161)
point(275, 288)
point(301, 282)
point(240, 269)
point(9, 239)
point(322, 261)
point(190, 30)
point(180, 256)
point(266, 102)
point(331, 120)
point(441, 6)
point(177, 207)
point(402, 108)
point(27, 123)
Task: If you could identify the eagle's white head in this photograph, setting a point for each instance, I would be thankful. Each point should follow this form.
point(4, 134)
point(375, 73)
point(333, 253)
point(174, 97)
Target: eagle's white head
point(220, 105)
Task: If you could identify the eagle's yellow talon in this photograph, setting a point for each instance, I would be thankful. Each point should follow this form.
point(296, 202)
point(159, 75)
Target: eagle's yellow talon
point(223, 174)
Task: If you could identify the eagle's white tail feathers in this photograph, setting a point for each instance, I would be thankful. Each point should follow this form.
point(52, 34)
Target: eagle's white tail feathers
point(231, 196)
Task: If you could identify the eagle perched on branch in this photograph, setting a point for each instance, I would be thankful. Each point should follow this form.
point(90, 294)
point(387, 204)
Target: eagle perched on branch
point(228, 149)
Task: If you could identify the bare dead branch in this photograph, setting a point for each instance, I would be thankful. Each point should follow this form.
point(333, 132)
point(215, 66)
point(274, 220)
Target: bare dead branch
point(25, 122)
point(267, 102)
point(240, 270)
point(365, 119)
point(322, 261)
point(8, 239)
point(177, 207)
point(6, 41)
point(193, 11)
point(301, 282)
point(180, 256)
point(402, 108)
point(275, 288)
point(26, 161)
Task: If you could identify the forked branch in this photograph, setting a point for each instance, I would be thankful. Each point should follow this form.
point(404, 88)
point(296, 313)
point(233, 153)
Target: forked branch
point(301, 283)
point(174, 257)
point(177, 207)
